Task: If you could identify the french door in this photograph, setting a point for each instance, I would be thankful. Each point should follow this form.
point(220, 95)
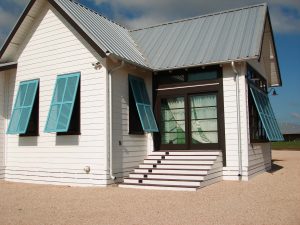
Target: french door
point(188, 121)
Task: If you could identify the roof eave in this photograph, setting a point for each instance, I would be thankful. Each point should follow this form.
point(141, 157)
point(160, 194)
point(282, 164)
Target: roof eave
point(78, 28)
point(275, 53)
point(207, 64)
point(8, 66)
point(16, 27)
point(114, 56)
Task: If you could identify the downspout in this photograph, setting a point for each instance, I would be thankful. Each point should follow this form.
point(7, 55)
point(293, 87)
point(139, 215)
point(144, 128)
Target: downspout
point(109, 85)
point(237, 82)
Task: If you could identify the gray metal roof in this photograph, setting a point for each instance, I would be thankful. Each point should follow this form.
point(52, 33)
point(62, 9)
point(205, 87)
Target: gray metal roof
point(111, 37)
point(210, 39)
point(220, 37)
point(214, 38)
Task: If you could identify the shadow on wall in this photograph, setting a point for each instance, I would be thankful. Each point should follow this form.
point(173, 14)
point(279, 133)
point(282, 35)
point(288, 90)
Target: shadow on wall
point(67, 140)
point(10, 93)
point(28, 141)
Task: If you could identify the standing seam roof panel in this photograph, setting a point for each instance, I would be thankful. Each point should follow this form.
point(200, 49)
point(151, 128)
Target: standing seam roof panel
point(212, 44)
point(109, 35)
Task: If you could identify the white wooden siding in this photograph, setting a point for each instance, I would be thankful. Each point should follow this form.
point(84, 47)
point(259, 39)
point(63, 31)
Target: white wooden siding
point(55, 48)
point(133, 148)
point(260, 154)
point(260, 158)
point(230, 172)
point(2, 124)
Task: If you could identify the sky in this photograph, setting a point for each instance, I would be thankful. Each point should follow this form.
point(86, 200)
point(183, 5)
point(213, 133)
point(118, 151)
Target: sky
point(285, 19)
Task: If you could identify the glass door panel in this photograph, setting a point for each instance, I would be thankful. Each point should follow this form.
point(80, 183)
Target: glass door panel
point(204, 119)
point(172, 122)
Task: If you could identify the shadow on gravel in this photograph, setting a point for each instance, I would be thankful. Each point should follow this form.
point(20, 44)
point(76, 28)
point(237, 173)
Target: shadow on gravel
point(275, 167)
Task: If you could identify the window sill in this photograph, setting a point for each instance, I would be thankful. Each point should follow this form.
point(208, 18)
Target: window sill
point(74, 133)
point(136, 133)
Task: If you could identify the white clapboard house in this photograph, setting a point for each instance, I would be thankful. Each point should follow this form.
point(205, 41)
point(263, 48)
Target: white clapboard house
point(177, 106)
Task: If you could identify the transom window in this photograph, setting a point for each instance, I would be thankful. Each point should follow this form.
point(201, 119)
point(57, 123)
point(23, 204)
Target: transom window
point(188, 75)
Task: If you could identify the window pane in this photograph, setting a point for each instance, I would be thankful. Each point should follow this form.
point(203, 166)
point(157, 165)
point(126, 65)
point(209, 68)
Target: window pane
point(173, 121)
point(205, 75)
point(204, 125)
point(204, 113)
point(205, 137)
point(198, 101)
point(204, 119)
point(170, 79)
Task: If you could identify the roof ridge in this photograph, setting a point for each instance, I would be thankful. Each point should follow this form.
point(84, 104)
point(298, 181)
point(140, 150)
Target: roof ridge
point(93, 11)
point(200, 16)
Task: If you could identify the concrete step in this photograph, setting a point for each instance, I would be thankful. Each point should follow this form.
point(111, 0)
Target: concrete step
point(167, 176)
point(182, 157)
point(172, 171)
point(174, 166)
point(162, 182)
point(159, 187)
point(184, 162)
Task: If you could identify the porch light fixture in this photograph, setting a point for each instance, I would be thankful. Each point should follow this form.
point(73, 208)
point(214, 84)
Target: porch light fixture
point(97, 65)
point(274, 93)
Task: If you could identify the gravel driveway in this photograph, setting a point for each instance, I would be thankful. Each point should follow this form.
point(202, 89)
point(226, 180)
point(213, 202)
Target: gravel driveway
point(270, 198)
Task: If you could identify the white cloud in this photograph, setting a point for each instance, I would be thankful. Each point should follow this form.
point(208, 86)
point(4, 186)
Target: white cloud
point(296, 115)
point(158, 11)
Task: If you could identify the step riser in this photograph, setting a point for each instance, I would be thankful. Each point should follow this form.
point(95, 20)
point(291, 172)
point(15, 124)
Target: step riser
point(167, 177)
point(188, 153)
point(163, 182)
point(183, 172)
point(176, 157)
point(158, 188)
point(185, 162)
point(176, 167)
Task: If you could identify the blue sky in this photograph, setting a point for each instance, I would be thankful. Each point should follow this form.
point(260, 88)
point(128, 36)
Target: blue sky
point(285, 18)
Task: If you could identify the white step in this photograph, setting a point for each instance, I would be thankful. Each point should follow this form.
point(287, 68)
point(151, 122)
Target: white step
point(168, 166)
point(158, 187)
point(162, 182)
point(168, 176)
point(183, 157)
point(174, 171)
point(216, 153)
point(184, 162)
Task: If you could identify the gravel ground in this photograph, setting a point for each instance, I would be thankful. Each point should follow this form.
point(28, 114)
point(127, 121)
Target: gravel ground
point(269, 198)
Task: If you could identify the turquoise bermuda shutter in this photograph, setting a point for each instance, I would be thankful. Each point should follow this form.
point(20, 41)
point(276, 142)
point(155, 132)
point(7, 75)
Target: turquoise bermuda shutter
point(143, 104)
point(266, 114)
point(62, 104)
point(23, 107)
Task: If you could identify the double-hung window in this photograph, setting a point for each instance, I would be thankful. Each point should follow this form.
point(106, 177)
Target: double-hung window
point(142, 105)
point(64, 113)
point(24, 118)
